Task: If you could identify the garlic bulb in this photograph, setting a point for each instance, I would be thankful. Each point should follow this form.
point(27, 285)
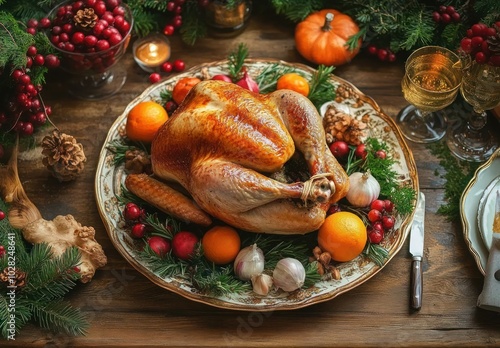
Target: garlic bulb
point(261, 284)
point(249, 262)
point(289, 274)
point(363, 189)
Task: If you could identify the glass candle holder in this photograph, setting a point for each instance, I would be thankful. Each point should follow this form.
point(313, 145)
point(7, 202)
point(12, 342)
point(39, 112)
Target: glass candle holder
point(151, 51)
point(225, 19)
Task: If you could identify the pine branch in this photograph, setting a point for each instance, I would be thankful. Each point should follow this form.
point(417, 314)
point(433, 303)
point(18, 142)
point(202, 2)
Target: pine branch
point(296, 10)
point(21, 313)
point(53, 277)
point(192, 27)
point(60, 316)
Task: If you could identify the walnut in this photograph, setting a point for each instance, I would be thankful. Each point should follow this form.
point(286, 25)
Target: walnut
point(341, 126)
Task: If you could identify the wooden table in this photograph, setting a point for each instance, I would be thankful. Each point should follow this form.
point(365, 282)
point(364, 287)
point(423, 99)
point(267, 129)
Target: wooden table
point(126, 309)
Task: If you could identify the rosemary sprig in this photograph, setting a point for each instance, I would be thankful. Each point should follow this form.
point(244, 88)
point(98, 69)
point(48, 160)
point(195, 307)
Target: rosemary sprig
point(269, 76)
point(166, 229)
point(321, 89)
point(168, 266)
point(119, 148)
point(219, 281)
point(312, 275)
point(376, 253)
point(237, 60)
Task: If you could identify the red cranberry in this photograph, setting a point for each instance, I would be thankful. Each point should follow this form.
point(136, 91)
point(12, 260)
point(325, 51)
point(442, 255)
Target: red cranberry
point(31, 31)
point(179, 65)
point(119, 11)
point(138, 230)
point(44, 23)
point(111, 4)
point(115, 39)
point(90, 40)
point(67, 28)
point(64, 37)
point(90, 3)
point(31, 51)
point(108, 17)
point(168, 30)
point(2, 213)
point(154, 78)
point(32, 23)
point(100, 8)
point(167, 67)
point(102, 45)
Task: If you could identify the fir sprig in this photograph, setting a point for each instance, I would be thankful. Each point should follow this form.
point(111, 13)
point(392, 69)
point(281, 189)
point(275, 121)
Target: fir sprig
point(48, 280)
point(457, 175)
point(164, 267)
point(119, 148)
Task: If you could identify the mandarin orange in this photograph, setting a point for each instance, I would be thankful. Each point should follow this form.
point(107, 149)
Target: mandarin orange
point(343, 235)
point(144, 120)
point(221, 244)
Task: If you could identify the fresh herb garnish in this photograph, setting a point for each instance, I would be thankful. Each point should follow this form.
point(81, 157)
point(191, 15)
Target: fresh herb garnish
point(236, 61)
point(321, 89)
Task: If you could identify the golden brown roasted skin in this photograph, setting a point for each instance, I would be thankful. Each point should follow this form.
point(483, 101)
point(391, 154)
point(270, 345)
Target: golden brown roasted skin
point(223, 142)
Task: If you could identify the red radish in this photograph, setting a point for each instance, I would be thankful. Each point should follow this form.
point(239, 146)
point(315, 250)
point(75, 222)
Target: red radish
point(360, 151)
point(160, 245)
point(183, 244)
point(248, 83)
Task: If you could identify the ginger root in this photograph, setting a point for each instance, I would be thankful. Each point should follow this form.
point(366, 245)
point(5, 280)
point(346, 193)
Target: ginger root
point(60, 233)
point(63, 232)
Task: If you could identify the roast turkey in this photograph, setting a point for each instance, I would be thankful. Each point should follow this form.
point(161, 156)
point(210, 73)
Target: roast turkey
point(224, 144)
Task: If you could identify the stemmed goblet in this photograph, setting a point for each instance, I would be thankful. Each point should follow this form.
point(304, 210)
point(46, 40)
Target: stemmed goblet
point(471, 140)
point(90, 40)
point(431, 82)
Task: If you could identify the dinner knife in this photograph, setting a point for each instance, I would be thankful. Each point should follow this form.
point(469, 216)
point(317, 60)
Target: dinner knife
point(417, 252)
point(490, 296)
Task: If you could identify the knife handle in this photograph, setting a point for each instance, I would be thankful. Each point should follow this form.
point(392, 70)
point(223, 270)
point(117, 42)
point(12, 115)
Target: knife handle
point(416, 283)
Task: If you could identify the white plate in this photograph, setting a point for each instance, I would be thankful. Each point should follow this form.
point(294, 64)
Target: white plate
point(109, 179)
point(469, 205)
point(486, 212)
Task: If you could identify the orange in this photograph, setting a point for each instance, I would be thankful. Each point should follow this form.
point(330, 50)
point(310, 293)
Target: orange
point(295, 82)
point(343, 235)
point(144, 120)
point(221, 244)
point(182, 88)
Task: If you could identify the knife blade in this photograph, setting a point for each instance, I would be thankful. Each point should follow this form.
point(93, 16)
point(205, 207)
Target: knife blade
point(417, 252)
point(490, 296)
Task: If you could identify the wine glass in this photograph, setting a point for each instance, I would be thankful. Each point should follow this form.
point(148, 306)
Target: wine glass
point(471, 140)
point(93, 73)
point(431, 82)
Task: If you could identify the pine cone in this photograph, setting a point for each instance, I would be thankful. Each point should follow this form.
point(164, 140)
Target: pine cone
point(85, 18)
point(63, 156)
point(11, 279)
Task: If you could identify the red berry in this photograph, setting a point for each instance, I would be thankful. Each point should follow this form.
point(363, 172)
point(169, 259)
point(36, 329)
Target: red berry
point(32, 51)
point(170, 106)
point(100, 8)
point(32, 23)
point(167, 67)
point(177, 21)
point(170, 6)
point(31, 31)
point(378, 204)
point(476, 41)
point(382, 54)
point(138, 230)
point(374, 215)
point(387, 222)
point(168, 30)
point(131, 212)
point(339, 148)
point(375, 236)
point(477, 29)
point(102, 45)
point(115, 39)
point(372, 49)
point(360, 151)
point(183, 244)
point(179, 65)
point(90, 40)
point(466, 44)
point(161, 246)
point(481, 58)
point(2, 213)
point(39, 60)
point(436, 16)
point(154, 78)
point(445, 18)
point(380, 154)
point(388, 206)
point(51, 61)
point(455, 17)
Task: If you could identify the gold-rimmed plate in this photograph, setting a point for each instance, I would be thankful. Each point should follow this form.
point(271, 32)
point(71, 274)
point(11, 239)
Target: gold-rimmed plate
point(109, 179)
point(484, 176)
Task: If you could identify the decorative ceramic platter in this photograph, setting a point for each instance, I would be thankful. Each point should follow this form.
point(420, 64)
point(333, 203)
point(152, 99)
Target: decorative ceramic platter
point(478, 191)
point(109, 180)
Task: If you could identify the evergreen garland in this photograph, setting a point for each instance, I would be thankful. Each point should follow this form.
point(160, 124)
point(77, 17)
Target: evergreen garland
point(46, 280)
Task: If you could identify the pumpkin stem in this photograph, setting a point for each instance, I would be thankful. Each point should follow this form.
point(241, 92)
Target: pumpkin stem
point(328, 19)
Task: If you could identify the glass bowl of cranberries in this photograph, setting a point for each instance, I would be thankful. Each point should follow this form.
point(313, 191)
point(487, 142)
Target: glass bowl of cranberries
point(90, 37)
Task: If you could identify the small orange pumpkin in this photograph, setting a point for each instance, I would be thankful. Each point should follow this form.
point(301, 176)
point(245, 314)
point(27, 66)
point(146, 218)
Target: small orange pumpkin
point(322, 37)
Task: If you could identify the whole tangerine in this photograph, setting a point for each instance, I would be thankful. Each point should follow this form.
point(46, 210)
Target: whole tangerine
point(295, 82)
point(182, 88)
point(144, 120)
point(343, 235)
point(221, 244)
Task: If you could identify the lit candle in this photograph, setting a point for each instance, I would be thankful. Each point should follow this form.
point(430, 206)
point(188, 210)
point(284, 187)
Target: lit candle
point(151, 51)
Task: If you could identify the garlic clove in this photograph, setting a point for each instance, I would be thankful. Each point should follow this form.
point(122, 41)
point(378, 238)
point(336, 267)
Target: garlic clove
point(262, 284)
point(289, 274)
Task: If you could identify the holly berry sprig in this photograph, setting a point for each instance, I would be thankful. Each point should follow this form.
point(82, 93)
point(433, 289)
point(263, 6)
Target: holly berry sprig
point(483, 43)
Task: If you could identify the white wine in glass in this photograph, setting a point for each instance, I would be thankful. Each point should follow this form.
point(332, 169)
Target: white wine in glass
point(431, 81)
point(472, 141)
